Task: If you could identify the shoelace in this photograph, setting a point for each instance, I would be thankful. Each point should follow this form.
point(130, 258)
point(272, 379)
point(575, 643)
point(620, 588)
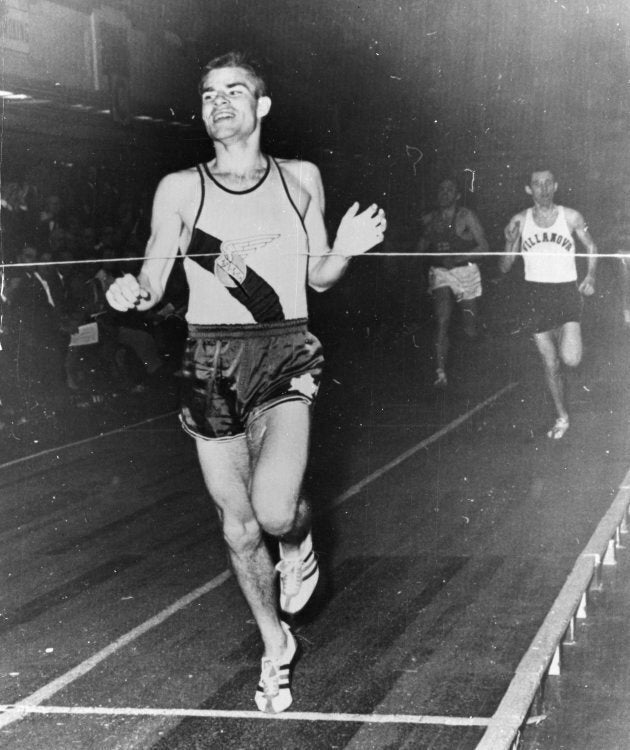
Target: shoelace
point(270, 677)
point(290, 575)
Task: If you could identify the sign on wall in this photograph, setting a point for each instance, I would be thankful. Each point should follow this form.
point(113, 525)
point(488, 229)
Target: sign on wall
point(14, 27)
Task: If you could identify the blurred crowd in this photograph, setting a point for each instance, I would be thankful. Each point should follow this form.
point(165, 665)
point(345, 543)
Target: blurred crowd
point(62, 346)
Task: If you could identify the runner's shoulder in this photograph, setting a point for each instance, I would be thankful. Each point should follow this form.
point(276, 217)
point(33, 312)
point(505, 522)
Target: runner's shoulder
point(427, 217)
point(467, 214)
point(303, 172)
point(574, 218)
point(178, 186)
point(181, 178)
point(303, 181)
point(519, 217)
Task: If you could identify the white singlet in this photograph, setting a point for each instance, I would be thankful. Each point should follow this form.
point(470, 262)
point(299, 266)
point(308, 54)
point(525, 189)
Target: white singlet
point(256, 272)
point(548, 252)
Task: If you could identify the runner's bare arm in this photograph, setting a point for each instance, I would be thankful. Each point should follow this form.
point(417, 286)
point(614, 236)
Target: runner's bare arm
point(423, 242)
point(358, 232)
point(143, 292)
point(422, 248)
point(474, 226)
point(578, 225)
point(512, 243)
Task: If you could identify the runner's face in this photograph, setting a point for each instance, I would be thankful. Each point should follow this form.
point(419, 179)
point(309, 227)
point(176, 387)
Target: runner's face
point(229, 105)
point(447, 194)
point(28, 254)
point(542, 188)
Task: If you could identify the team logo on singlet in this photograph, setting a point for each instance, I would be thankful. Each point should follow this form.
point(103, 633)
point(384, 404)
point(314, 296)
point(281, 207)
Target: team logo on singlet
point(247, 245)
point(226, 259)
point(566, 243)
point(243, 283)
point(231, 265)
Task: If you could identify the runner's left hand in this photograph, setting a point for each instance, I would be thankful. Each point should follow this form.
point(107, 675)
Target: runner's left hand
point(360, 232)
point(587, 287)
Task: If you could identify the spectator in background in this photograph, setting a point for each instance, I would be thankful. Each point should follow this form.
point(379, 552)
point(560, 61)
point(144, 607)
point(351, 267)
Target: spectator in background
point(74, 234)
point(51, 217)
point(17, 211)
point(82, 218)
point(87, 196)
point(39, 321)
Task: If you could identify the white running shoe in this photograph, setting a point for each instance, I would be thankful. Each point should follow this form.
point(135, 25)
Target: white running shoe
point(273, 694)
point(559, 428)
point(440, 381)
point(298, 577)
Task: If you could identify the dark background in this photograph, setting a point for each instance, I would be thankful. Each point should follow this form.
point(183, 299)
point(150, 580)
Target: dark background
point(494, 86)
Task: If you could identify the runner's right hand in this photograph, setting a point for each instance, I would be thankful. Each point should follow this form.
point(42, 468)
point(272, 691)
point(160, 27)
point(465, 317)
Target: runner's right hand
point(125, 293)
point(512, 231)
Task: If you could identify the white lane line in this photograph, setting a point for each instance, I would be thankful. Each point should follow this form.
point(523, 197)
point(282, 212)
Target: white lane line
point(46, 692)
point(200, 713)
point(191, 713)
point(85, 440)
point(17, 711)
point(356, 488)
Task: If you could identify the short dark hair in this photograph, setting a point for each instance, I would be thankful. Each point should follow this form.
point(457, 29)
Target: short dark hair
point(238, 59)
point(539, 168)
point(455, 180)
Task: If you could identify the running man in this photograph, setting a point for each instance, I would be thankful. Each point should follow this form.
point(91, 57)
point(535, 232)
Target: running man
point(624, 280)
point(453, 279)
point(544, 237)
point(252, 229)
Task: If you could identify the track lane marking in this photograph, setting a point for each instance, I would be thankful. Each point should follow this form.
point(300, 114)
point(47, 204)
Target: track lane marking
point(17, 711)
point(199, 713)
point(60, 448)
point(47, 691)
point(191, 713)
point(356, 488)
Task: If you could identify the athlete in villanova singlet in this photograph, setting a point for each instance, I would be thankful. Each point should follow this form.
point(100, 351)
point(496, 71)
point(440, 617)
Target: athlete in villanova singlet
point(252, 231)
point(544, 236)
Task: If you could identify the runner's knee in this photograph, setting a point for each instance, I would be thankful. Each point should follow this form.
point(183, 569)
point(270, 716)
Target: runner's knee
point(241, 536)
point(276, 514)
point(470, 325)
point(571, 350)
point(572, 358)
point(552, 364)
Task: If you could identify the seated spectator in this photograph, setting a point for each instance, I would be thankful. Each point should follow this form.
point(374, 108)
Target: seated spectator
point(17, 211)
point(38, 320)
point(126, 355)
point(51, 217)
point(44, 304)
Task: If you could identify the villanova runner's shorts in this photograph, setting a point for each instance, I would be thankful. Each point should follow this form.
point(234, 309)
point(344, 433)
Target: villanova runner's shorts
point(550, 306)
point(234, 373)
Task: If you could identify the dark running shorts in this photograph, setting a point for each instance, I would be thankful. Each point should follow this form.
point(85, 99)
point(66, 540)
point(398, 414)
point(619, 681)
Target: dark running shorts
point(552, 305)
point(233, 373)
